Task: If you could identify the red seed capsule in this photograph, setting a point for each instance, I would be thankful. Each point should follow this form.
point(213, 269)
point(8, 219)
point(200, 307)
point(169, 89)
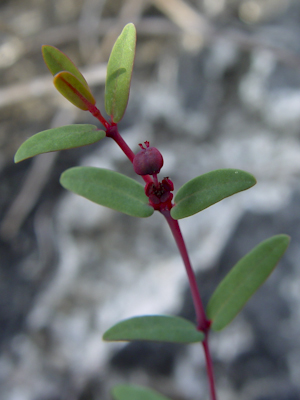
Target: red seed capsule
point(148, 161)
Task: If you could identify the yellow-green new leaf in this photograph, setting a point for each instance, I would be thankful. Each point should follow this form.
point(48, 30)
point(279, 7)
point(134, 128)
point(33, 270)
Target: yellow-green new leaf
point(62, 138)
point(57, 62)
point(119, 71)
point(159, 328)
point(207, 189)
point(244, 279)
point(133, 392)
point(108, 188)
point(74, 90)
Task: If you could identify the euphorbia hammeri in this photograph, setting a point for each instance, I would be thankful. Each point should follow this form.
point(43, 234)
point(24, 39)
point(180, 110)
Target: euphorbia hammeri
point(121, 193)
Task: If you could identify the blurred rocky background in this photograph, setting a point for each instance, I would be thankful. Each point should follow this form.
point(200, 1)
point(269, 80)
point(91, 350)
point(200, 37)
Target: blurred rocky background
point(216, 84)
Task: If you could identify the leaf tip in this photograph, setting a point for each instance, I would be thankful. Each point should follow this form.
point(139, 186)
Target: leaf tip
point(46, 49)
point(63, 176)
point(105, 337)
point(20, 156)
point(285, 238)
point(131, 26)
point(17, 158)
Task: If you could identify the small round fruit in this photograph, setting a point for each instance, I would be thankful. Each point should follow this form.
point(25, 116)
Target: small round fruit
point(148, 161)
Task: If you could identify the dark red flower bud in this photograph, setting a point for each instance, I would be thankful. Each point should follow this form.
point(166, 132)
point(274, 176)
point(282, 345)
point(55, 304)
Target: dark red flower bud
point(148, 161)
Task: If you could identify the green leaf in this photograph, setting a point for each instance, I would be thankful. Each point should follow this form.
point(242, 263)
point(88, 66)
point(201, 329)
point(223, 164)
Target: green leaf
point(57, 62)
point(244, 279)
point(131, 392)
point(73, 90)
point(206, 190)
point(155, 328)
point(109, 189)
point(119, 71)
point(62, 138)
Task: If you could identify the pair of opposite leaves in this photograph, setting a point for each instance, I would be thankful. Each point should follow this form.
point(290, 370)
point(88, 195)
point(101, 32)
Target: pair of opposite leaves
point(71, 84)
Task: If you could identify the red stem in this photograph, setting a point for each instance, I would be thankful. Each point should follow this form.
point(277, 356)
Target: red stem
point(97, 114)
point(209, 369)
point(202, 322)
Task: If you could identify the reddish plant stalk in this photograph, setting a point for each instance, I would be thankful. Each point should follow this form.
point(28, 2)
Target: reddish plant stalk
point(203, 323)
point(97, 114)
point(209, 369)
